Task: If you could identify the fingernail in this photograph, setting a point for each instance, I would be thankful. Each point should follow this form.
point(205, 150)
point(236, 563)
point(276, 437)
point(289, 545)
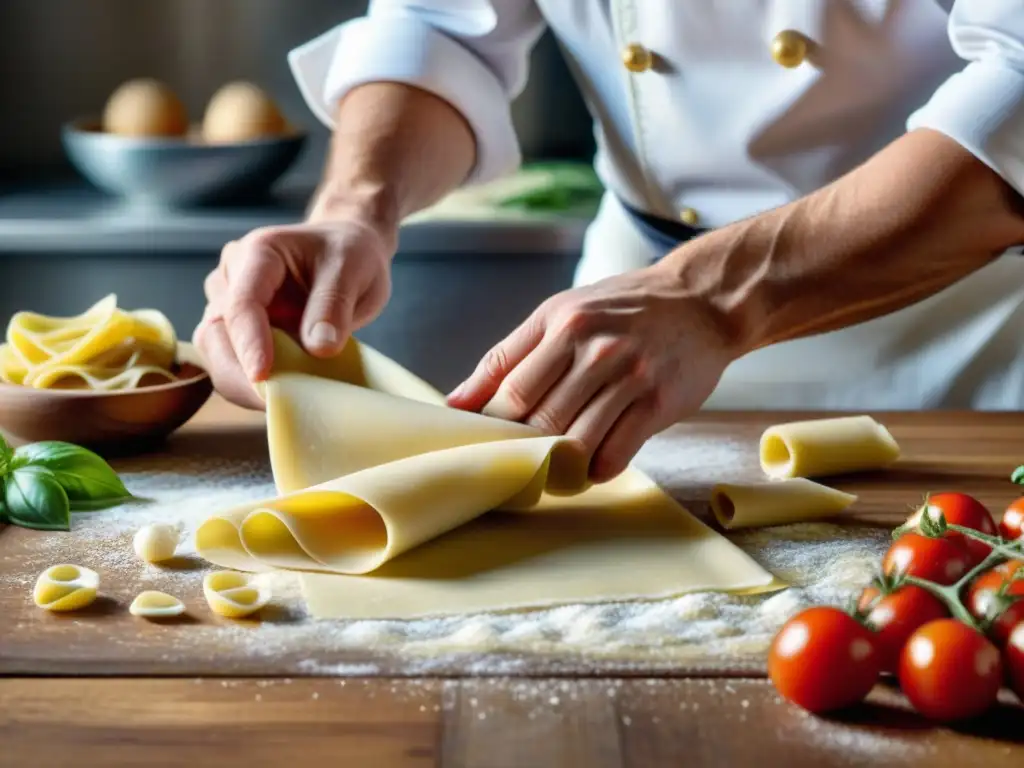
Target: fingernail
point(323, 334)
point(252, 366)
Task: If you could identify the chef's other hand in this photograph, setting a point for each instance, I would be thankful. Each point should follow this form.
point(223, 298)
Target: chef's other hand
point(610, 364)
point(318, 282)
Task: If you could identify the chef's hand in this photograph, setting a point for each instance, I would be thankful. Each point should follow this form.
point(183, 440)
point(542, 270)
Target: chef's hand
point(318, 282)
point(610, 364)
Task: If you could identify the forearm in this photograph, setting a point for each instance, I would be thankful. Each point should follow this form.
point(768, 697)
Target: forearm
point(914, 219)
point(396, 149)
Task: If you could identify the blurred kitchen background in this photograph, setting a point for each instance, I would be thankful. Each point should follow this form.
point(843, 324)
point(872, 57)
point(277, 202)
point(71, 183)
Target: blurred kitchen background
point(63, 244)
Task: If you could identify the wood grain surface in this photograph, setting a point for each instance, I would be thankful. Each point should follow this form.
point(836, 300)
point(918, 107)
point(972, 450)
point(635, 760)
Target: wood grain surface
point(600, 723)
point(969, 452)
point(204, 704)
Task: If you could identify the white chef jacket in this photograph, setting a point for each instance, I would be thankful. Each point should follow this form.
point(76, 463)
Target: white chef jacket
point(695, 118)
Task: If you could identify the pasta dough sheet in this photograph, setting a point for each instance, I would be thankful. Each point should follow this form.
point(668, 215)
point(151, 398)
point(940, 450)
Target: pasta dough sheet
point(624, 541)
point(386, 505)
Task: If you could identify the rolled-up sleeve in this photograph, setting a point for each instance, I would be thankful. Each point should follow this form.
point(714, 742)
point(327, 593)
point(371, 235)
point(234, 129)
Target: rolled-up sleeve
point(982, 106)
point(474, 54)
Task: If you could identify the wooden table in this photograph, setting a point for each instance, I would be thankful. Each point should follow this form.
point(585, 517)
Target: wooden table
point(76, 693)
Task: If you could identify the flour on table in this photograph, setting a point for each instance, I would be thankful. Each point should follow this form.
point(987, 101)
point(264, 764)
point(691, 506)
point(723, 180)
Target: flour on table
point(827, 563)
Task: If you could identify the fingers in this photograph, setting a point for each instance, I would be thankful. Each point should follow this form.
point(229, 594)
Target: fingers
point(327, 320)
point(603, 362)
point(633, 428)
point(254, 274)
point(530, 381)
point(483, 384)
point(601, 414)
point(228, 377)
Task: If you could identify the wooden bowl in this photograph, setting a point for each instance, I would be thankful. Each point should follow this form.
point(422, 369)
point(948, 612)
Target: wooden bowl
point(106, 419)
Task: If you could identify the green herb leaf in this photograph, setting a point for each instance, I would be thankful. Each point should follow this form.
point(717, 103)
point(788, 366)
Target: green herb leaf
point(1018, 475)
point(87, 479)
point(35, 499)
point(4, 517)
point(6, 455)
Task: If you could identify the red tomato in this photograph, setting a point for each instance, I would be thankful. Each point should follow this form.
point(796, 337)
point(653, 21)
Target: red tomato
point(1013, 658)
point(895, 617)
point(940, 560)
point(822, 660)
point(982, 592)
point(949, 671)
point(1012, 525)
point(965, 511)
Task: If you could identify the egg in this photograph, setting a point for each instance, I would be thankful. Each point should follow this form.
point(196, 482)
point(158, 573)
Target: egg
point(145, 107)
point(241, 112)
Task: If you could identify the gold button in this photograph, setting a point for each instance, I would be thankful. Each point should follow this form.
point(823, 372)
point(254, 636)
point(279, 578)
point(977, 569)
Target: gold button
point(689, 217)
point(636, 58)
point(789, 48)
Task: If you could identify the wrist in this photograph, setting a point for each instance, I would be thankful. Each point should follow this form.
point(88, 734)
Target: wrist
point(368, 204)
point(698, 273)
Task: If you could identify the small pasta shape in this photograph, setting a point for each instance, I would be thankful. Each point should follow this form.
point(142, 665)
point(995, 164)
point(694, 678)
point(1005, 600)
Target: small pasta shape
point(156, 543)
point(156, 605)
point(775, 502)
point(823, 447)
point(66, 587)
point(234, 595)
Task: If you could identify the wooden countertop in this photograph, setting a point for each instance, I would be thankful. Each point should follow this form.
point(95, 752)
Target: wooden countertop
point(183, 710)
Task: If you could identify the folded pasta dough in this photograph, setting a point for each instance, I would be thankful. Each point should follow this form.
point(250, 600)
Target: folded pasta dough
point(822, 447)
point(355, 524)
point(777, 502)
point(376, 483)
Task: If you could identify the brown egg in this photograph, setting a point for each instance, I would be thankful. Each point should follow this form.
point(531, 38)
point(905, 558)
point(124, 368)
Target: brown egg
point(241, 112)
point(145, 107)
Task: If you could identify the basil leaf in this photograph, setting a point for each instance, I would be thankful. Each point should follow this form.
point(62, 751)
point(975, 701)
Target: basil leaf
point(6, 455)
point(3, 504)
point(36, 500)
point(87, 479)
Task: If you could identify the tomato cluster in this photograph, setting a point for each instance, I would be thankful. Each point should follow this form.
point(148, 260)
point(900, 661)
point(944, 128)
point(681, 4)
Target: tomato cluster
point(949, 667)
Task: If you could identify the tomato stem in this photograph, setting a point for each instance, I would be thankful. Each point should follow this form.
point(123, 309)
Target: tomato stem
point(1009, 550)
point(948, 595)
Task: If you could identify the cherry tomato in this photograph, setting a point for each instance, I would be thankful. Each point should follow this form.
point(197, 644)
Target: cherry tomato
point(940, 560)
point(1012, 525)
point(965, 511)
point(896, 616)
point(982, 593)
point(823, 660)
point(949, 671)
point(1013, 659)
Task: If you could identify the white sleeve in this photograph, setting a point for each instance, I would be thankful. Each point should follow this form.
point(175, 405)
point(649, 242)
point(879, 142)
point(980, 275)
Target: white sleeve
point(982, 106)
point(474, 54)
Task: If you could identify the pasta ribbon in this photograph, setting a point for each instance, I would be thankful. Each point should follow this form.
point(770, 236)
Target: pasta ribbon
point(105, 349)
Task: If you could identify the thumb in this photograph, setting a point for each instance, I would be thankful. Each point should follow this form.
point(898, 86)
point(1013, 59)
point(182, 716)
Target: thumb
point(327, 320)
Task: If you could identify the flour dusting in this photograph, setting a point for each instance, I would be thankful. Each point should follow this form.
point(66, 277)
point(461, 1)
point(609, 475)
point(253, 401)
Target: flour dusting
point(826, 563)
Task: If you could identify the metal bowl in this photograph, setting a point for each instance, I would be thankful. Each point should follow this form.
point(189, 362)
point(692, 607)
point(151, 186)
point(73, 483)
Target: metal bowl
point(178, 172)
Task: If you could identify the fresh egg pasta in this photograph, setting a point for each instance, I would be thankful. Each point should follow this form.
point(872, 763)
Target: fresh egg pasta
point(234, 595)
point(777, 502)
point(822, 447)
point(156, 605)
point(105, 349)
point(66, 587)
